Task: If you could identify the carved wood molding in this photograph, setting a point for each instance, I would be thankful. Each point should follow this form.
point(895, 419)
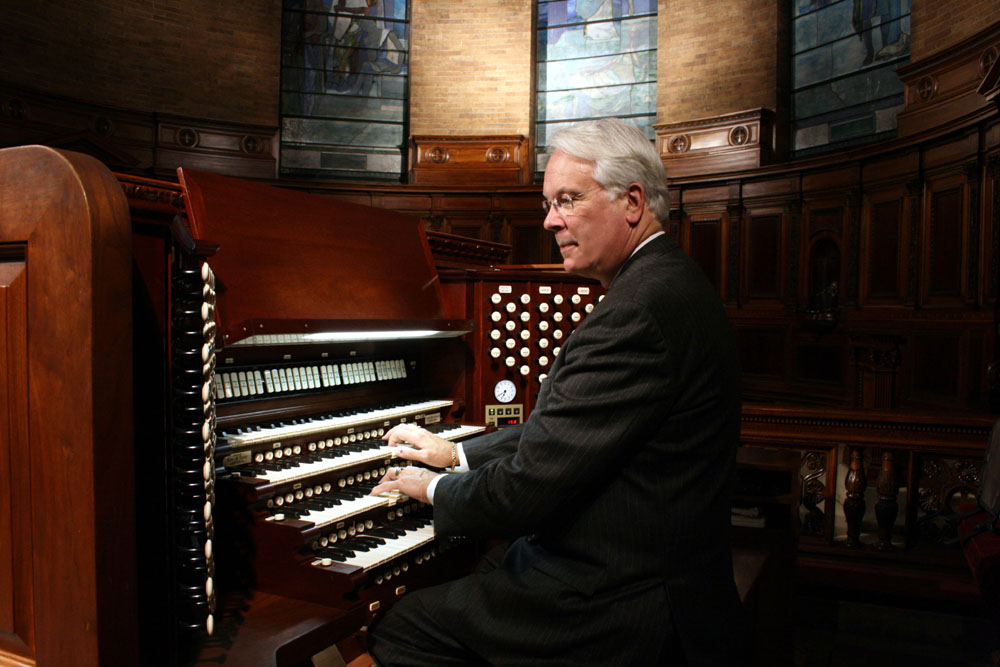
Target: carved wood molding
point(224, 148)
point(741, 140)
point(458, 251)
point(135, 141)
point(481, 160)
point(942, 89)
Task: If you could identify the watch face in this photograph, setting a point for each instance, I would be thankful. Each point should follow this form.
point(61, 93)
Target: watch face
point(505, 391)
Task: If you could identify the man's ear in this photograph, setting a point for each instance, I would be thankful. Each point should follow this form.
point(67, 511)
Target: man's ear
point(635, 203)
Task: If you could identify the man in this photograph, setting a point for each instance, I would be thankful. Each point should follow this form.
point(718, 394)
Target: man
point(616, 489)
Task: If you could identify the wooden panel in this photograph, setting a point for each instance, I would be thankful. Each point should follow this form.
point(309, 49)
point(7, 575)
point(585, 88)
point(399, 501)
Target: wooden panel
point(762, 350)
point(892, 167)
point(481, 160)
point(990, 193)
point(884, 259)
point(884, 247)
point(16, 590)
point(826, 220)
point(763, 257)
point(70, 215)
point(977, 379)
point(818, 363)
point(699, 195)
point(705, 246)
point(471, 226)
point(530, 200)
point(404, 202)
point(945, 229)
point(529, 240)
point(452, 202)
point(936, 363)
point(955, 151)
point(831, 179)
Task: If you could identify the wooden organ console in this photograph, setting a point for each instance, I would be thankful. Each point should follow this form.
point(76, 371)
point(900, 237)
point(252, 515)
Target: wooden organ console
point(323, 324)
point(210, 502)
point(523, 314)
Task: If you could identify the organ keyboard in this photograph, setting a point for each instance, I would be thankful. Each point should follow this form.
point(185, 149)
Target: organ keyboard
point(317, 356)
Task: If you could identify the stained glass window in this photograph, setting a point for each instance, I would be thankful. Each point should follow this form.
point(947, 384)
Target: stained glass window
point(344, 88)
point(594, 59)
point(845, 90)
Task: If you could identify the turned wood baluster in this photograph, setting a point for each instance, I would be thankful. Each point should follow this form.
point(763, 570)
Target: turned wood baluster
point(886, 509)
point(854, 503)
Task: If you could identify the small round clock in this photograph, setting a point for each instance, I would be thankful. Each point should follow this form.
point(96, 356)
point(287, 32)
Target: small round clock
point(504, 390)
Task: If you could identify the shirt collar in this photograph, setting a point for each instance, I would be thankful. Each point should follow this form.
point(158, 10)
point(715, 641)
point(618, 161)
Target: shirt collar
point(647, 240)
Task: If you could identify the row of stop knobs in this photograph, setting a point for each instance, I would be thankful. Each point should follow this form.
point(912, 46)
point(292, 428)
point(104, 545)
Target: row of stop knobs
point(517, 323)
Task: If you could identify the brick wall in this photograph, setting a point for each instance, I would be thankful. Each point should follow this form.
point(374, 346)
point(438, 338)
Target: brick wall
point(717, 58)
point(200, 58)
point(938, 24)
point(470, 67)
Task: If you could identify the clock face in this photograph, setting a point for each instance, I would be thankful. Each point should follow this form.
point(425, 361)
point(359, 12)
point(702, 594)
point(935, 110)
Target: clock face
point(505, 391)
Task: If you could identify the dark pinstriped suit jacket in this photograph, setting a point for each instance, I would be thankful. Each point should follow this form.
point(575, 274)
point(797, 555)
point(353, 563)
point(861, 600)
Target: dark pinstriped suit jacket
point(622, 474)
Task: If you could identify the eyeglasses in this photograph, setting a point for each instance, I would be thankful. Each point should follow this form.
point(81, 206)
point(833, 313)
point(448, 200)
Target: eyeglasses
point(564, 202)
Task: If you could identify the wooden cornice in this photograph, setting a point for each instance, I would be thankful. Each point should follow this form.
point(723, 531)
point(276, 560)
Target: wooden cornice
point(916, 431)
point(990, 86)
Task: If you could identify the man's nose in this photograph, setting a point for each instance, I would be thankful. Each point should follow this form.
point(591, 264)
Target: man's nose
point(553, 221)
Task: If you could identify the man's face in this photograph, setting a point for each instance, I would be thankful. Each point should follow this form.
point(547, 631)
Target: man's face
point(592, 237)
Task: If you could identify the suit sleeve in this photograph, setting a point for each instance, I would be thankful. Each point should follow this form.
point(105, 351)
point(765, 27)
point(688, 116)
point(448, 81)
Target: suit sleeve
point(494, 445)
point(605, 399)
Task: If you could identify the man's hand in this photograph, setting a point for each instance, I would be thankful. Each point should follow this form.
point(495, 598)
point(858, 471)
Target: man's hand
point(409, 480)
point(425, 447)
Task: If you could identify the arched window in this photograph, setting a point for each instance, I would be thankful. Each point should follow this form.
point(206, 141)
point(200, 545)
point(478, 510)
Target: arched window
point(344, 88)
point(845, 91)
point(594, 59)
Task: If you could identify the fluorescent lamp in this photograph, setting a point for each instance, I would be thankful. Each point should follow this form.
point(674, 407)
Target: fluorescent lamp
point(353, 336)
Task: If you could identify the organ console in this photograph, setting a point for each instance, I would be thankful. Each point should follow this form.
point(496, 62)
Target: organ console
point(523, 314)
point(276, 337)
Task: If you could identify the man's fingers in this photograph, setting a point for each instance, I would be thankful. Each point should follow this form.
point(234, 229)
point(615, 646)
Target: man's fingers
point(384, 487)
